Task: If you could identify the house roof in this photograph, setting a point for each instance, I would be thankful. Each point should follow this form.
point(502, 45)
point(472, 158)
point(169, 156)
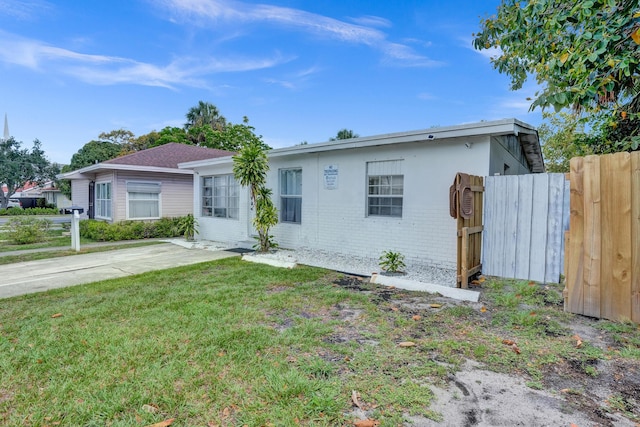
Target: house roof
point(163, 158)
point(527, 135)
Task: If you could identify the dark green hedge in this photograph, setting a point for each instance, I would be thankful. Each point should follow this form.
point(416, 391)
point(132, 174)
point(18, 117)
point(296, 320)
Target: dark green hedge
point(29, 211)
point(130, 230)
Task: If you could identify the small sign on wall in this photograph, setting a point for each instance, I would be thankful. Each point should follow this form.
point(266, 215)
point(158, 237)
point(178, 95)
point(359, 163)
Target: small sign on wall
point(331, 177)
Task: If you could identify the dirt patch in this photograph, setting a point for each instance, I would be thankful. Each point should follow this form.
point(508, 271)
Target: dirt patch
point(585, 391)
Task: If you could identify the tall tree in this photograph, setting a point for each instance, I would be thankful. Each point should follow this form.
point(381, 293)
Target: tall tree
point(21, 166)
point(90, 153)
point(562, 137)
point(232, 138)
point(344, 134)
point(584, 53)
point(118, 136)
point(205, 114)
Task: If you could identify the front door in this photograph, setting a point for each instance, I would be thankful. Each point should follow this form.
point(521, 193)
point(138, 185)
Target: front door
point(92, 199)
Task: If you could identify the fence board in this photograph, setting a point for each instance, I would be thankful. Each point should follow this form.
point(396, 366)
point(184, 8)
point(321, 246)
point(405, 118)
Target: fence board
point(555, 231)
point(510, 225)
point(525, 209)
point(635, 237)
point(539, 218)
point(575, 290)
point(592, 236)
point(498, 250)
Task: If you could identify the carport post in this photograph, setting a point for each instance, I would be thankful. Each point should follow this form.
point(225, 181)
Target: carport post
point(75, 231)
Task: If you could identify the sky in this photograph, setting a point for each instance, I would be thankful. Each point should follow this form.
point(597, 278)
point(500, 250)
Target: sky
point(299, 70)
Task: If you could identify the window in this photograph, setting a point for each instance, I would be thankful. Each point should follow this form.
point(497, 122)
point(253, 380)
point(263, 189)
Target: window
point(385, 188)
point(103, 200)
point(220, 196)
point(291, 195)
point(143, 200)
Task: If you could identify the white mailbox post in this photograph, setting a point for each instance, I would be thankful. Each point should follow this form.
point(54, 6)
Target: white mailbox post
point(75, 231)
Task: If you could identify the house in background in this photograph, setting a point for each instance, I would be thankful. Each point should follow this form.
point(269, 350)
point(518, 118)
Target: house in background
point(363, 196)
point(145, 185)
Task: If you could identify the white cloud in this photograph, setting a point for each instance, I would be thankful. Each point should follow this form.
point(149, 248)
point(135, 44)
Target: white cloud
point(319, 25)
point(107, 70)
point(492, 52)
point(24, 9)
point(372, 21)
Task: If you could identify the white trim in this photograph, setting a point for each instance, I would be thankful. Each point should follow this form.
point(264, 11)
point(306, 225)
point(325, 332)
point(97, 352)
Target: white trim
point(77, 174)
point(95, 199)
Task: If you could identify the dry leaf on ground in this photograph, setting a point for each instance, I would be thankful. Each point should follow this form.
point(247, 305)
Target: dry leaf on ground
point(366, 423)
point(355, 398)
point(406, 344)
point(417, 317)
point(435, 305)
point(56, 315)
point(508, 342)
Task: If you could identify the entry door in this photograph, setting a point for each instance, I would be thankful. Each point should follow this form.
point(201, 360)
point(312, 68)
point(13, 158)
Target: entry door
point(92, 199)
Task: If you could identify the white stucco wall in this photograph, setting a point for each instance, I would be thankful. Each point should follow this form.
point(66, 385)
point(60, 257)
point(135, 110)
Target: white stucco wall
point(336, 219)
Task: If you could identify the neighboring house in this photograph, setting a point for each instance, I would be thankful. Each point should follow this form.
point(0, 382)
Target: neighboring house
point(53, 196)
point(363, 196)
point(145, 185)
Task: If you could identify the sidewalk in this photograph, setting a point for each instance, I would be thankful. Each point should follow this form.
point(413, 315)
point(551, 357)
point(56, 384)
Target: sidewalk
point(37, 276)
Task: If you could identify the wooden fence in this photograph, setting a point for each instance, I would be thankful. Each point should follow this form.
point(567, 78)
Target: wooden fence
point(603, 243)
point(525, 217)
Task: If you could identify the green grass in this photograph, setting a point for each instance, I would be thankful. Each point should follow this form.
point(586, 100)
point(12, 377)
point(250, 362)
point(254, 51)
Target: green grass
point(235, 343)
point(55, 239)
point(10, 259)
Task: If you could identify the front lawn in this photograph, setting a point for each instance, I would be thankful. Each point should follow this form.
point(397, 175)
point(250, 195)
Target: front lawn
point(230, 343)
point(54, 238)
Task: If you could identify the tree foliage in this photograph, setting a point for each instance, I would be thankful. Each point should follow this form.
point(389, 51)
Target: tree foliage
point(250, 167)
point(344, 134)
point(21, 166)
point(562, 138)
point(584, 53)
point(90, 153)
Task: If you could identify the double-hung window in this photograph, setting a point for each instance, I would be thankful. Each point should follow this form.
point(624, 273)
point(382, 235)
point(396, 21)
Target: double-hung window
point(385, 188)
point(143, 200)
point(220, 196)
point(103, 200)
point(291, 195)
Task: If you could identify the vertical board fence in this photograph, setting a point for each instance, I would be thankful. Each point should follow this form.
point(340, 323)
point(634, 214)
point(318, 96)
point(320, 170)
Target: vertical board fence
point(525, 217)
point(469, 230)
point(603, 243)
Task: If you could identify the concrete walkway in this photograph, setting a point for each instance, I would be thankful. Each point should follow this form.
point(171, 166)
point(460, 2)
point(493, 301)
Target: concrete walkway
point(37, 276)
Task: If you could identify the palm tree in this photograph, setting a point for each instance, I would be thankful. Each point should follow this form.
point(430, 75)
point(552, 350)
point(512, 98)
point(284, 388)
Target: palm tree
point(204, 114)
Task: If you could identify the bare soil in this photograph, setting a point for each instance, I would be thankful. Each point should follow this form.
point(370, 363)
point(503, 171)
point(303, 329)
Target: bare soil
point(477, 395)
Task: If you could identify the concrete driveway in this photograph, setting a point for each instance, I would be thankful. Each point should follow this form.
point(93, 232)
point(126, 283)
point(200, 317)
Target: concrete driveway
point(37, 276)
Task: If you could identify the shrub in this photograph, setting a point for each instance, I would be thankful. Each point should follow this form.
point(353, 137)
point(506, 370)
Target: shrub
point(29, 211)
point(24, 230)
point(130, 230)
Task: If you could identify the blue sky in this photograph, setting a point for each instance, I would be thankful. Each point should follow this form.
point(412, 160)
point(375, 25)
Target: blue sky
point(300, 70)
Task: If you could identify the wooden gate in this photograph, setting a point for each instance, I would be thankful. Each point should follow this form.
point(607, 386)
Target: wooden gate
point(466, 207)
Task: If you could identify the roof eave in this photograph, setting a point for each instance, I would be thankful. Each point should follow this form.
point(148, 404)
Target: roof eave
point(99, 167)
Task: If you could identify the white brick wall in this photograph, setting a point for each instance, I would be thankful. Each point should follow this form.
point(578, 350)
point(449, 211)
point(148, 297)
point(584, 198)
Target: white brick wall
point(335, 219)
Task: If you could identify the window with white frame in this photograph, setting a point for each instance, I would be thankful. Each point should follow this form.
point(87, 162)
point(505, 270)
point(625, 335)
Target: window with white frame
point(143, 200)
point(103, 200)
point(385, 188)
point(220, 196)
point(291, 195)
